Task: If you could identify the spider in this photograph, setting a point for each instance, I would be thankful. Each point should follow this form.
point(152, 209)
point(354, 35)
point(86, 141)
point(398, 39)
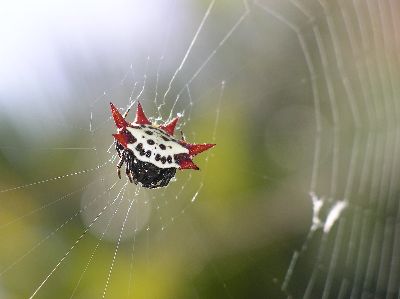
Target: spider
point(151, 153)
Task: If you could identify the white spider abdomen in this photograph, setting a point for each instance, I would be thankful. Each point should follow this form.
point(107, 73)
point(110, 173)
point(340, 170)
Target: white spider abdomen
point(153, 145)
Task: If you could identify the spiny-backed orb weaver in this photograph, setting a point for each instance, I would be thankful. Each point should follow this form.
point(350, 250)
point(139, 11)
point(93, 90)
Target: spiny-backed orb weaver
point(151, 153)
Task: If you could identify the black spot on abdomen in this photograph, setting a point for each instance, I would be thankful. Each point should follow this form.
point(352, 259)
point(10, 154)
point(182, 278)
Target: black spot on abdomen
point(130, 137)
point(162, 146)
point(150, 141)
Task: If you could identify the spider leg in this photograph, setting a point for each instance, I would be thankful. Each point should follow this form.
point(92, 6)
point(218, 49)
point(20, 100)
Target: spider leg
point(182, 136)
point(129, 109)
point(118, 148)
point(119, 165)
point(129, 175)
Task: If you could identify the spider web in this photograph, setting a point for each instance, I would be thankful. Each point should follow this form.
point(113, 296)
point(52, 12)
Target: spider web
point(298, 199)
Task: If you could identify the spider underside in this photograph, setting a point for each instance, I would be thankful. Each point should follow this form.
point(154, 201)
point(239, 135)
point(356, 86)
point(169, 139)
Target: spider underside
point(149, 175)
